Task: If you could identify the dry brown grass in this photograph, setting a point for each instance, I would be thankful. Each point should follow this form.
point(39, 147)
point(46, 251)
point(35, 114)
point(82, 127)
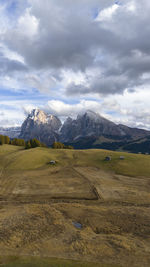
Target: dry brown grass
point(39, 205)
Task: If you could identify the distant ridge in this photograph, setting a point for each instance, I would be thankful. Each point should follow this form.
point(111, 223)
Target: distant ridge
point(12, 132)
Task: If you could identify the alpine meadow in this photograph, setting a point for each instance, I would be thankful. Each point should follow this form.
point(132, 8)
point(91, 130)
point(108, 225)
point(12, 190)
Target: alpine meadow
point(74, 133)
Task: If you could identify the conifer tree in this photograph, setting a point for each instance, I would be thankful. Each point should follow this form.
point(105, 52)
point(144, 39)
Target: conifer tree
point(2, 139)
point(35, 143)
point(6, 140)
point(28, 145)
point(58, 145)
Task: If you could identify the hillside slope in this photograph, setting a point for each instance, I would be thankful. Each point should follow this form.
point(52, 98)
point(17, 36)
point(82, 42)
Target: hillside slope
point(83, 208)
point(17, 158)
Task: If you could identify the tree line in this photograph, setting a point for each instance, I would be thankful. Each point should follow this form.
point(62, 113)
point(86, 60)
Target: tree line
point(59, 145)
point(32, 143)
point(4, 139)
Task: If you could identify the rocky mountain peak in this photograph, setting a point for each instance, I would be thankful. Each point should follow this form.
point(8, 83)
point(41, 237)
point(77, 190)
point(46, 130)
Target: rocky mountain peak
point(91, 114)
point(42, 126)
point(38, 116)
point(68, 121)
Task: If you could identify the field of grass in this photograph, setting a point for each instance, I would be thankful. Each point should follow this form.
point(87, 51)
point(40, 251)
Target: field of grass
point(40, 205)
point(17, 158)
point(46, 262)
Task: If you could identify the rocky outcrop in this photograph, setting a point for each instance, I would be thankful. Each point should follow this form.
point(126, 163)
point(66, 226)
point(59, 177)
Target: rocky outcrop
point(42, 126)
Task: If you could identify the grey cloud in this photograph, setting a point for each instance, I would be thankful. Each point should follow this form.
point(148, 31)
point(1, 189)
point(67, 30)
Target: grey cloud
point(8, 66)
point(69, 38)
point(101, 85)
point(67, 35)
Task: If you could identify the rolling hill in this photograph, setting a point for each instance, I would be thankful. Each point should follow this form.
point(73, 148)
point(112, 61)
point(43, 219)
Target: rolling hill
point(42, 205)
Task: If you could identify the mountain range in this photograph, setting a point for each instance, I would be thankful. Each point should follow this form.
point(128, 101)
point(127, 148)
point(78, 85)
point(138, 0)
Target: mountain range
point(88, 130)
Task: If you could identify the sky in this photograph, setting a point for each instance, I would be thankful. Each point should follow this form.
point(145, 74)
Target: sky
point(67, 56)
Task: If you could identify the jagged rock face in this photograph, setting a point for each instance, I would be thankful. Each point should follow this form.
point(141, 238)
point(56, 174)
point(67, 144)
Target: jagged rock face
point(89, 124)
point(133, 132)
point(41, 126)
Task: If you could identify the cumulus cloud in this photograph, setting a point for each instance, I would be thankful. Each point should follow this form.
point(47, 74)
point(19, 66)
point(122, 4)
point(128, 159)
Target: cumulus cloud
point(107, 13)
point(82, 35)
point(9, 117)
point(63, 109)
point(78, 51)
point(27, 24)
point(27, 108)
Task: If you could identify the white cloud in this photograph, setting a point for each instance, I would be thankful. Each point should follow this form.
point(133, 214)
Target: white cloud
point(11, 55)
point(4, 20)
point(27, 108)
point(10, 118)
point(62, 109)
point(28, 24)
point(107, 13)
point(131, 6)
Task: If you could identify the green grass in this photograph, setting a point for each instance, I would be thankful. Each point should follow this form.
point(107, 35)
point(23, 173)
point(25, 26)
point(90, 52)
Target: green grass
point(6, 149)
point(16, 158)
point(46, 262)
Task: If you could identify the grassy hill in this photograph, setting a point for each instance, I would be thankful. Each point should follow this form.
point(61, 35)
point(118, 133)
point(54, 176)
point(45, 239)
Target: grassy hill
point(16, 158)
point(41, 204)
